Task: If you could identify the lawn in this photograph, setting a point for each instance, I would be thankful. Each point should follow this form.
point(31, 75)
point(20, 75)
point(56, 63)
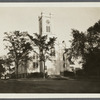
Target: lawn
point(48, 86)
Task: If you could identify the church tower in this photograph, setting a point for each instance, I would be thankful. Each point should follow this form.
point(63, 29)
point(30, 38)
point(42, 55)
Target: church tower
point(45, 28)
point(45, 24)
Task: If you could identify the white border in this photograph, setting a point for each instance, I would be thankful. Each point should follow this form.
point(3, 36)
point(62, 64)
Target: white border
point(53, 95)
point(51, 4)
point(47, 95)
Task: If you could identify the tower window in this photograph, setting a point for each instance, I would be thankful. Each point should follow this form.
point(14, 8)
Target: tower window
point(47, 28)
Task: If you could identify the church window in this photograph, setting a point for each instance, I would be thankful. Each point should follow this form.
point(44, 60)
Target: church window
point(35, 64)
point(47, 28)
point(33, 56)
point(36, 56)
point(52, 51)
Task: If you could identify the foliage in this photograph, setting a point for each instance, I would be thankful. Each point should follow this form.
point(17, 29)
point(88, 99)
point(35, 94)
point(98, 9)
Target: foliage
point(43, 45)
point(2, 69)
point(18, 46)
point(92, 65)
point(87, 45)
point(78, 43)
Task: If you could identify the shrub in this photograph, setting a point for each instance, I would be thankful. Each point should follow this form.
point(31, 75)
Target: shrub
point(67, 73)
point(35, 75)
point(79, 72)
point(13, 76)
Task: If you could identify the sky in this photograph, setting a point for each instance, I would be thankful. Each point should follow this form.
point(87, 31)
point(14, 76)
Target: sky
point(64, 19)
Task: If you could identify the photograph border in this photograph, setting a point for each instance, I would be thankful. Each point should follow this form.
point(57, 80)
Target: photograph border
point(61, 96)
point(49, 0)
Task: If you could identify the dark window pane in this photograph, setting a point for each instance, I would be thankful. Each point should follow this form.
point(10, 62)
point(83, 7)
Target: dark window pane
point(35, 64)
point(52, 52)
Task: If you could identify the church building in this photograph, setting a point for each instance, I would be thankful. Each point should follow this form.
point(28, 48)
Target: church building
point(54, 65)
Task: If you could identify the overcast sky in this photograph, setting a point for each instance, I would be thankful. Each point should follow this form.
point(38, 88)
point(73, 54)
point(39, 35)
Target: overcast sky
point(64, 19)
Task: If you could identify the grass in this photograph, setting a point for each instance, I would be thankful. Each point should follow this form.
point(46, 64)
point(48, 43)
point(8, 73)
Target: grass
point(48, 86)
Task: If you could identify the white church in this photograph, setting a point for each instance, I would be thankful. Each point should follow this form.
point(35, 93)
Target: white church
point(54, 66)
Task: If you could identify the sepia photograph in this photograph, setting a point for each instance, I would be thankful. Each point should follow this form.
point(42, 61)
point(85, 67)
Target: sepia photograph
point(49, 48)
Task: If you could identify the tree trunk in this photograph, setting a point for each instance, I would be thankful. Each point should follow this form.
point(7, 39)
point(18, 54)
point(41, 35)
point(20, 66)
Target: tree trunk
point(16, 69)
point(17, 72)
point(25, 68)
point(44, 71)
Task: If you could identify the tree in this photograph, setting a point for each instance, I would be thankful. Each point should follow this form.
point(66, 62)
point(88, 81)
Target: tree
point(92, 65)
point(2, 69)
point(43, 45)
point(87, 45)
point(18, 47)
point(78, 43)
